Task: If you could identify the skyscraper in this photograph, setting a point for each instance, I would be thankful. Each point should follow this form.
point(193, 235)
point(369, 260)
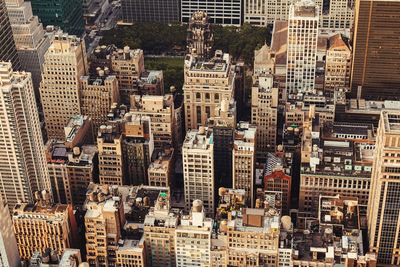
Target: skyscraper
point(150, 10)
point(200, 37)
point(65, 63)
point(302, 47)
point(29, 38)
point(66, 14)
point(8, 52)
point(225, 12)
point(384, 198)
point(8, 244)
point(376, 44)
point(22, 166)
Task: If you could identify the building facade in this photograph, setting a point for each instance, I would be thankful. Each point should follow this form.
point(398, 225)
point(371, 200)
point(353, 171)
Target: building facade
point(8, 244)
point(384, 203)
point(66, 14)
point(43, 225)
point(264, 114)
point(375, 50)
point(98, 94)
point(243, 160)
point(302, 47)
point(8, 51)
point(65, 62)
point(207, 83)
point(150, 11)
point(225, 12)
point(30, 41)
point(23, 166)
point(198, 169)
point(199, 38)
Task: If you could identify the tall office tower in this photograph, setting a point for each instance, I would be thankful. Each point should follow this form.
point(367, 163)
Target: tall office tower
point(302, 47)
point(243, 159)
point(128, 65)
point(8, 51)
point(159, 231)
point(161, 169)
point(43, 225)
point(137, 148)
point(111, 168)
point(338, 16)
point(65, 63)
point(98, 94)
point(225, 12)
point(8, 244)
point(207, 83)
point(336, 158)
point(104, 220)
point(198, 168)
point(375, 68)
point(150, 10)
point(23, 166)
point(264, 114)
point(72, 162)
point(194, 229)
point(384, 199)
point(337, 64)
point(66, 14)
point(29, 38)
point(160, 109)
point(199, 38)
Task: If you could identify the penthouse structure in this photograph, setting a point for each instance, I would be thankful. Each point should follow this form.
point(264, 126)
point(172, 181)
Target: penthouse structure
point(264, 114)
point(302, 47)
point(198, 169)
point(194, 229)
point(128, 65)
point(23, 165)
point(65, 62)
point(43, 225)
point(160, 109)
point(243, 159)
point(98, 93)
point(336, 159)
point(207, 83)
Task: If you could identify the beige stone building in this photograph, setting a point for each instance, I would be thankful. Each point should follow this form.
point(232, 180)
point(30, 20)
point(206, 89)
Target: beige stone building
point(97, 96)
point(160, 171)
point(384, 198)
point(336, 158)
point(160, 109)
point(194, 229)
point(264, 114)
point(109, 143)
point(43, 225)
point(207, 83)
point(104, 220)
point(128, 66)
point(243, 159)
point(338, 64)
point(9, 255)
point(22, 160)
point(131, 254)
point(198, 169)
point(65, 62)
point(159, 231)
